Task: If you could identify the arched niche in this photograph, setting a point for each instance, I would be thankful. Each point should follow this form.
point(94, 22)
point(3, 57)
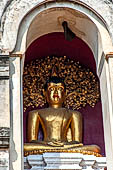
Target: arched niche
point(84, 22)
point(54, 44)
point(89, 27)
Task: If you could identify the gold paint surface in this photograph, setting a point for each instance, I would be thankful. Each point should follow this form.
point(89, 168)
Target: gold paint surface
point(58, 124)
point(55, 124)
point(41, 151)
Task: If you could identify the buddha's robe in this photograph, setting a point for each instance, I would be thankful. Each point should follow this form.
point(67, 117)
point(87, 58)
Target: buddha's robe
point(58, 126)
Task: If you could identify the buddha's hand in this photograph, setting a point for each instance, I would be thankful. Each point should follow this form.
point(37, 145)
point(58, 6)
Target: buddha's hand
point(55, 143)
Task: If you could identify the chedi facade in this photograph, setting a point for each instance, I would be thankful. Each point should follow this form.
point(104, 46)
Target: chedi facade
point(56, 61)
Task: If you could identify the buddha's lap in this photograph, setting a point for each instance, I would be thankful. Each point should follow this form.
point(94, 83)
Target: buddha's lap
point(51, 146)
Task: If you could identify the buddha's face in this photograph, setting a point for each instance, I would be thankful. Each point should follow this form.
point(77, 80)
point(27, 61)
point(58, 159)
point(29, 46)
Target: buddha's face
point(55, 94)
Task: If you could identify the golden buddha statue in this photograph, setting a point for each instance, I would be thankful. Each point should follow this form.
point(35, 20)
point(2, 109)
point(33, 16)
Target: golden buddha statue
point(62, 127)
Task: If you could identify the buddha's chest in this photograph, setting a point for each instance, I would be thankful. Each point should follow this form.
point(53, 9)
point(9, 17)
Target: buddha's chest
point(54, 117)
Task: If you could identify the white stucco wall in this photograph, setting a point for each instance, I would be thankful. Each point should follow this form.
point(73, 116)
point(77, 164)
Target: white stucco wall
point(12, 12)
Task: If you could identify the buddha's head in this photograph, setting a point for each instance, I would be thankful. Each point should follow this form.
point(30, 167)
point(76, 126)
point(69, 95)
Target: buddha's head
point(55, 92)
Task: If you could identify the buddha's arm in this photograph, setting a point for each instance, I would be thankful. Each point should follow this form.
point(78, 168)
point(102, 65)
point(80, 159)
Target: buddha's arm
point(33, 125)
point(69, 135)
point(76, 126)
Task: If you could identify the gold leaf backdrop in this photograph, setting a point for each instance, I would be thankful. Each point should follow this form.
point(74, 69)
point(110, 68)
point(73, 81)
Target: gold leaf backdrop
point(82, 86)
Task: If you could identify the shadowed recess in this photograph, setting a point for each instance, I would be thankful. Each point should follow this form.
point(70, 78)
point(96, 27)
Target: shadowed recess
point(55, 44)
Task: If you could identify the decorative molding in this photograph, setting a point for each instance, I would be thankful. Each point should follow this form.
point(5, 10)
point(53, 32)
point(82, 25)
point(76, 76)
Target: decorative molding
point(36, 162)
point(42, 151)
point(60, 161)
point(4, 132)
point(16, 55)
point(4, 137)
point(109, 55)
point(4, 67)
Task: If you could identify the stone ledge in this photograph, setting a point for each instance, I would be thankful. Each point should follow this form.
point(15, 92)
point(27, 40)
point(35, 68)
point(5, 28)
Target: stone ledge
point(63, 161)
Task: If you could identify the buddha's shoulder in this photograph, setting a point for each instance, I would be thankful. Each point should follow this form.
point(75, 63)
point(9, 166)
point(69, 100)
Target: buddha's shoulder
point(52, 110)
point(73, 112)
point(33, 111)
point(43, 110)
